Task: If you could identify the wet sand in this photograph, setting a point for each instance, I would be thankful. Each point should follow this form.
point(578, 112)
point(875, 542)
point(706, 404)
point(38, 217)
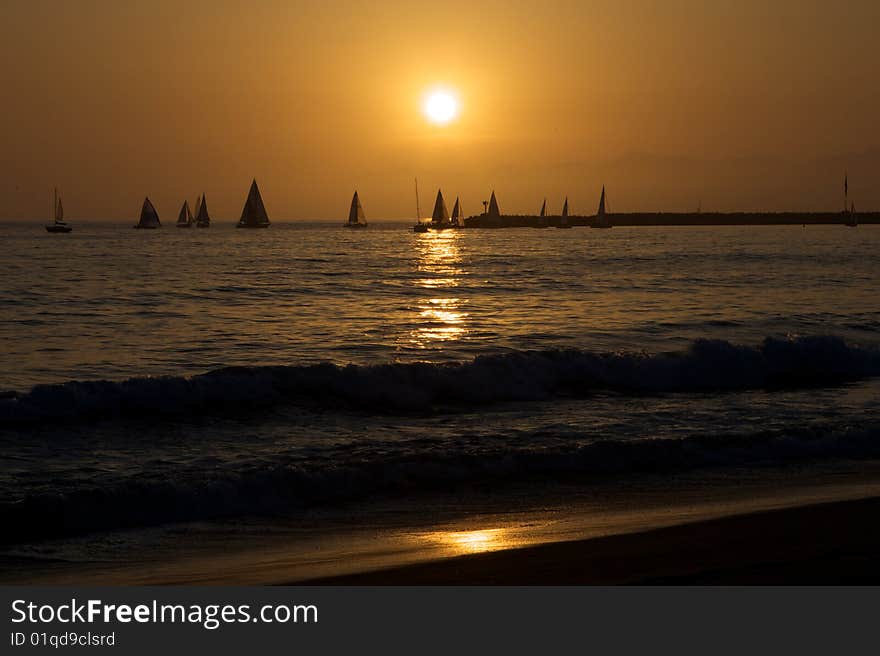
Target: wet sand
point(819, 544)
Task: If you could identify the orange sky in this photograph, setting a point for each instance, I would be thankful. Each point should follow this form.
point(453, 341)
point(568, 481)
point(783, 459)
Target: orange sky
point(670, 103)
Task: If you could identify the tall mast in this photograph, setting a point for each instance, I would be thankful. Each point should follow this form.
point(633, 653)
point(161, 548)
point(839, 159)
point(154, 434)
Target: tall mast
point(55, 206)
point(418, 210)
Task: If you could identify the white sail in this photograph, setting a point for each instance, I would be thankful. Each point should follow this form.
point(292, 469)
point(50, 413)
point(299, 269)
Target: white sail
point(253, 214)
point(440, 213)
point(493, 206)
point(601, 211)
point(565, 209)
point(544, 208)
point(356, 211)
point(59, 212)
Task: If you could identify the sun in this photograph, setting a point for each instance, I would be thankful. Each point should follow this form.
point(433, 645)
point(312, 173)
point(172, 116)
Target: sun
point(441, 106)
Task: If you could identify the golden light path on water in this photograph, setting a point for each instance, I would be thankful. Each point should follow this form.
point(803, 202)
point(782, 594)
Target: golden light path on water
point(440, 315)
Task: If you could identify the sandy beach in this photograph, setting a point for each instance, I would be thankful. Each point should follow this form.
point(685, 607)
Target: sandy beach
point(819, 544)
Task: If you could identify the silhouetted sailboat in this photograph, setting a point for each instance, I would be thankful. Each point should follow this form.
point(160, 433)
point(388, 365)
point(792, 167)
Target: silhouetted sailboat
point(149, 217)
point(602, 220)
point(542, 217)
point(440, 215)
point(60, 225)
point(457, 216)
point(203, 219)
point(419, 226)
point(253, 214)
point(494, 210)
point(185, 218)
point(563, 220)
point(850, 219)
point(356, 218)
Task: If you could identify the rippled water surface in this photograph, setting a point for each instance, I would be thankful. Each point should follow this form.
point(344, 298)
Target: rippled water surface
point(481, 357)
point(110, 302)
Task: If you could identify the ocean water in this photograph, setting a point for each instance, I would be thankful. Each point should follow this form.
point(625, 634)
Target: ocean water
point(153, 377)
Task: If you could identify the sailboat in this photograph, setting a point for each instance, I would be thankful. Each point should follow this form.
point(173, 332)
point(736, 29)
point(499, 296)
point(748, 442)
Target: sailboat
point(602, 220)
point(203, 219)
point(440, 215)
point(149, 217)
point(852, 221)
point(60, 225)
point(494, 211)
point(253, 214)
point(563, 221)
point(185, 218)
point(457, 215)
point(356, 217)
point(542, 217)
point(419, 226)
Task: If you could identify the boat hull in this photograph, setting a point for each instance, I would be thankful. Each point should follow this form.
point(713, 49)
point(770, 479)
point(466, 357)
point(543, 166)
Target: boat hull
point(184, 225)
point(140, 227)
point(251, 227)
point(56, 228)
point(355, 226)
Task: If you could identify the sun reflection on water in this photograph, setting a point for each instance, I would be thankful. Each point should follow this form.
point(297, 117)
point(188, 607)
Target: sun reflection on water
point(440, 317)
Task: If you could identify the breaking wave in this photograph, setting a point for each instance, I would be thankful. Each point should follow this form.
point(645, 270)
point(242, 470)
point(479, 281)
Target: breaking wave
point(284, 488)
point(706, 366)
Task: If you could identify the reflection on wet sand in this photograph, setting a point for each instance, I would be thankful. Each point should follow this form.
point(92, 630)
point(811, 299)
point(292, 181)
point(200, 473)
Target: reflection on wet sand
point(465, 542)
point(440, 316)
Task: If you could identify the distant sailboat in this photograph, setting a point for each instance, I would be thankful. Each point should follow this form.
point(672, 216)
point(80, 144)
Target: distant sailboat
point(203, 219)
point(419, 226)
point(440, 215)
point(563, 220)
point(542, 217)
point(149, 217)
point(852, 220)
point(457, 216)
point(356, 218)
point(602, 220)
point(850, 215)
point(185, 218)
point(253, 214)
point(59, 225)
point(494, 210)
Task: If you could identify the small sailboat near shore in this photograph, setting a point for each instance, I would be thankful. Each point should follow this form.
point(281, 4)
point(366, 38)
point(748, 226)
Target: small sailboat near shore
point(203, 219)
point(253, 214)
point(542, 217)
point(149, 217)
point(563, 220)
point(185, 218)
point(850, 219)
point(419, 226)
point(356, 218)
point(602, 220)
point(440, 215)
point(457, 218)
point(60, 225)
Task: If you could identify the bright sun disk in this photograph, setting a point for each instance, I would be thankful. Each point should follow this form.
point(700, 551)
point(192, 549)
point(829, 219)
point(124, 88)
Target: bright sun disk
point(441, 107)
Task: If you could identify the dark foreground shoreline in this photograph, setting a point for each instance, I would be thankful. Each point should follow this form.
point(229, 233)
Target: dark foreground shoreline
point(820, 544)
